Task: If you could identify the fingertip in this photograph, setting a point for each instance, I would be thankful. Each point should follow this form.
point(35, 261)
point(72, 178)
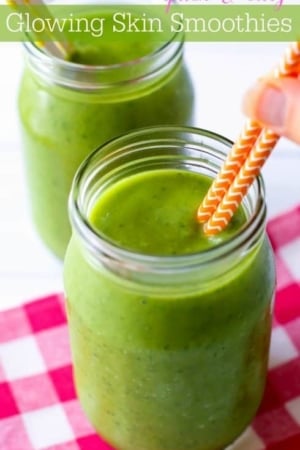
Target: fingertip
point(275, 103)
point(251, 99)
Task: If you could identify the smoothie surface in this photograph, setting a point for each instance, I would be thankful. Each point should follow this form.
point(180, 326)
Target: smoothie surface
point(110, 53)
point(154, 213)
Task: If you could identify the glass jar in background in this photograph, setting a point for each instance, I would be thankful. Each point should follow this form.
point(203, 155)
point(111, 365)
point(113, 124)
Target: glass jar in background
point(170, 352)
point(68, 109)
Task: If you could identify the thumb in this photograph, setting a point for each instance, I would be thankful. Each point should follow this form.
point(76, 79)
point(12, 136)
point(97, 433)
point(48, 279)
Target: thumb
point(276, 104)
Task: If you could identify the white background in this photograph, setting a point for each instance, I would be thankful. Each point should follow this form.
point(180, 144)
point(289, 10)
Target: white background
point(221, 74)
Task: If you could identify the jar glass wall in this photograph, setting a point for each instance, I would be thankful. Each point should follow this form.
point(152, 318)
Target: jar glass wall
point(170, 352)
point(68, 109)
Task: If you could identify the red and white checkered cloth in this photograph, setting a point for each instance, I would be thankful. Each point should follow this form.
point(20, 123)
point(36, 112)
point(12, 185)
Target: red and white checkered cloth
point(38, 405)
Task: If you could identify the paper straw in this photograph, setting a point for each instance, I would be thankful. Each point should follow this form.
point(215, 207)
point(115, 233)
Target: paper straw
point(249, 171)
point(55, 43)
point(288, 66)
point(229, 170)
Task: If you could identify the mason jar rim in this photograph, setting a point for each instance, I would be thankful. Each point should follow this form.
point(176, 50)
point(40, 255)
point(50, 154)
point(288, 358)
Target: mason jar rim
point(137, 73)
point(245, 237)
point(36, 51)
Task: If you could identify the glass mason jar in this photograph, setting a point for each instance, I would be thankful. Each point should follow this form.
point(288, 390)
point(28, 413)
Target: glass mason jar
point(169, 352)
point(68, 109)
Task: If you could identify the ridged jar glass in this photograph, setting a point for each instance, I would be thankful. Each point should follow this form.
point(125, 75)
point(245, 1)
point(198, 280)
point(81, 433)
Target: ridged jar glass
point(69, 109)
point(169, 352)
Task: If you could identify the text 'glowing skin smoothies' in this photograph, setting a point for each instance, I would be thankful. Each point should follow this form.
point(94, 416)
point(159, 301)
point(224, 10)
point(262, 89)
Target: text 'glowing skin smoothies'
point(69, 108)
point(169, 328)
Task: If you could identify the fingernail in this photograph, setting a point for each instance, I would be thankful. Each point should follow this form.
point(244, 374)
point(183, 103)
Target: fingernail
point(271, 107)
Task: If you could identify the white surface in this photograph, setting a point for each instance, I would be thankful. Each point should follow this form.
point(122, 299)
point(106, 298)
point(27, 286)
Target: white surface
point(282, 349)
point(39, 422)
point(290, 254)
point(14, 366)
point(221, 73)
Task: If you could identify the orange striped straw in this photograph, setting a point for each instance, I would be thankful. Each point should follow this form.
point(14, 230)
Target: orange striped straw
point(241, 149)
point(55, 44)
point(242, 182)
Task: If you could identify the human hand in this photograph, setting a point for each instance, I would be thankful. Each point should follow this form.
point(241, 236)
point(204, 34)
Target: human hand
point(275, 103)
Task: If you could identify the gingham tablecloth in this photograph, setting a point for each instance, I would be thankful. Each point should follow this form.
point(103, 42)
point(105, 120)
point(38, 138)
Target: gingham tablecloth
point(38, 405)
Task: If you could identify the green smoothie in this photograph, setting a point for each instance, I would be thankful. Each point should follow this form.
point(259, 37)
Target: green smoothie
point(174, 367)
point(156, 214)
point(67, 109)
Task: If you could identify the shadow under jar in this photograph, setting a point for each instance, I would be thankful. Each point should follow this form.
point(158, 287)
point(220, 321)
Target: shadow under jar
point(170, 351)
point(67, 109)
